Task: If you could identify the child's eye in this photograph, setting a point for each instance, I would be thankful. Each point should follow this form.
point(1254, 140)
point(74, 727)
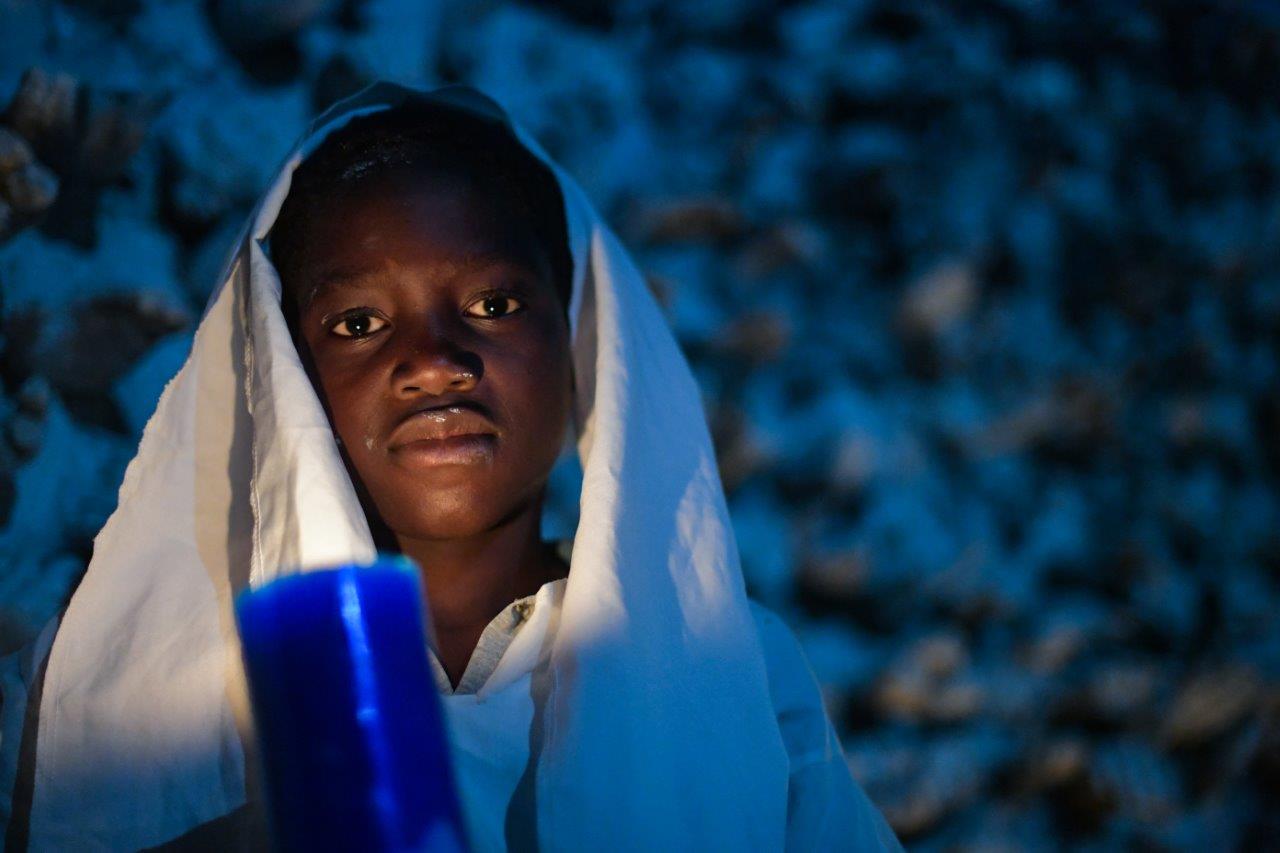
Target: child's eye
point(492, 307)
point(357, 325)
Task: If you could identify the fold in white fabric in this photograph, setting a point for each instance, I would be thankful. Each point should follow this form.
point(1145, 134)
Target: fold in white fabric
point(650, 719)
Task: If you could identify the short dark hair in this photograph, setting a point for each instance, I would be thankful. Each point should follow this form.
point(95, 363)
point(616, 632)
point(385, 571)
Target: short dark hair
point(433, 134)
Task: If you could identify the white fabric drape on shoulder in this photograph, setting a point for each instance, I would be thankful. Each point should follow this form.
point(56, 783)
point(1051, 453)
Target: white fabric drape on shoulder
point(656, 720)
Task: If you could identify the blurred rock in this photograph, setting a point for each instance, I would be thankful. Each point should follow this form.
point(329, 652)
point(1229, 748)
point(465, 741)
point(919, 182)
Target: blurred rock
point(27, 187)
point(711, 219)
point(395, 39)
point(15, 152)
point(206, 263)
point(837, 578)
point(175, 42)
point(1121, 693)
point(30, 189)
point(58, 494)
point(34, 397)
point(1055, 765)
point(1078, 415)
point(678, 278)
point(1144, 784)
point(33, 597)
point(1264, 756)
point(1168, 603)
point(939, 300)
point(925, 683)
point(25, 426)
point(84, 138)
point(596, 124)
point(85, 354)
point(916, 784)
point(43, 110)
point(245, 24)
point(738, 450)
point(24, 434)
point(221, 142)
point(1011, 694)
point(1064, 633)
point(938, 656)
point(755, 338)
point(776, 249)
point(113, 127)
point(908, 696)
point(1210, 703)
point(64, 493)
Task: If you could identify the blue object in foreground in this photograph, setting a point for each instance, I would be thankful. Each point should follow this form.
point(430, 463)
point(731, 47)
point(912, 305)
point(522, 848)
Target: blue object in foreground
point(349, 723)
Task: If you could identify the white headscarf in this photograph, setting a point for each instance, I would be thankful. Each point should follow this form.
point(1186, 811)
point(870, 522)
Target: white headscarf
point(657, 731)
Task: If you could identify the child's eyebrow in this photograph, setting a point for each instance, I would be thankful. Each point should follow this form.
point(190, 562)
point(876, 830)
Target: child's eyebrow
point(339, 277)
point(335, 278)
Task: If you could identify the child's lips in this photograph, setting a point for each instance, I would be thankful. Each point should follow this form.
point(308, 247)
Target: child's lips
point(453, 450)
point(444, 435)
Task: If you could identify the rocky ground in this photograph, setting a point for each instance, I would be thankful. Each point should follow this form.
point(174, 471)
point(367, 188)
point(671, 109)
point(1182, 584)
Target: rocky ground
point(983, 297)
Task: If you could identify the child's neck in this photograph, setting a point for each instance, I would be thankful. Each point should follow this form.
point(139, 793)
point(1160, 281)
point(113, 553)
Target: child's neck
point(469, 581)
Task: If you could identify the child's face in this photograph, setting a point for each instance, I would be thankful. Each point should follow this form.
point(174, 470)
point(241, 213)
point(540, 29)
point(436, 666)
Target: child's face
point(422, 292)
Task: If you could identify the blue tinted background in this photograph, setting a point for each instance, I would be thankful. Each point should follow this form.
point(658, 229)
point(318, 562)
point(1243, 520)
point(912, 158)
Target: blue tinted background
point(982, 297)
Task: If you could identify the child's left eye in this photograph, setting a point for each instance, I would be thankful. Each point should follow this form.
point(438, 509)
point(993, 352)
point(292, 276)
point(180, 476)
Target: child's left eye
point(491, 307)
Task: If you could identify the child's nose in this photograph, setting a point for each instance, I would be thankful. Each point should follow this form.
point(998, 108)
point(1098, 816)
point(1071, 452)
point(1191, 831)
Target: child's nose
point(435, 367)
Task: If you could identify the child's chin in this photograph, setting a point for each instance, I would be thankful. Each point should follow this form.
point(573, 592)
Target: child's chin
point(462, 521)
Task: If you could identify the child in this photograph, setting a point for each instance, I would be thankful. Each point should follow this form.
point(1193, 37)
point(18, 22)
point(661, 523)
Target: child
point(439, 306)
point(458, 327)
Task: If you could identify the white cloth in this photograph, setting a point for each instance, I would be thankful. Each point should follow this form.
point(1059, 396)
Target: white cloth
point(639, 716)
point(826, 808)
point(490, 648)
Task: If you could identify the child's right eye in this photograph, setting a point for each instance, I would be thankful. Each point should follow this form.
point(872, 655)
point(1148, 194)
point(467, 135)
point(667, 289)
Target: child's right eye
point(357, 325)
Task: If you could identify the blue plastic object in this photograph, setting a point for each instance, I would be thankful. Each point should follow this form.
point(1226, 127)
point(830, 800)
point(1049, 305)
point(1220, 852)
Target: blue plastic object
point(353, 744)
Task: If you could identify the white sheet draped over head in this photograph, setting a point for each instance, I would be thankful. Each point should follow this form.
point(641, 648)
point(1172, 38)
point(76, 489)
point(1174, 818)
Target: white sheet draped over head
point(657, 731)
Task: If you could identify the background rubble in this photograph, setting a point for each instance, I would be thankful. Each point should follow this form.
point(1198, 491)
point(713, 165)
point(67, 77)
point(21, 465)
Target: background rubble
point(983, 298)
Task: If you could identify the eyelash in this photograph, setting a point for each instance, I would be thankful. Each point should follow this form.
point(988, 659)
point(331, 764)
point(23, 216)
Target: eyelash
point(356, 313)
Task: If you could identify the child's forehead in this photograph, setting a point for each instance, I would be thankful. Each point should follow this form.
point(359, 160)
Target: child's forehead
point(437, 221)
point(412, 182)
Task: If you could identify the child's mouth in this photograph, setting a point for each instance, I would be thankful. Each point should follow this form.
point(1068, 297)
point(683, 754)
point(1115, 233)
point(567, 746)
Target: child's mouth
point(467, 449)
point(441, 422)
point(459, 432)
